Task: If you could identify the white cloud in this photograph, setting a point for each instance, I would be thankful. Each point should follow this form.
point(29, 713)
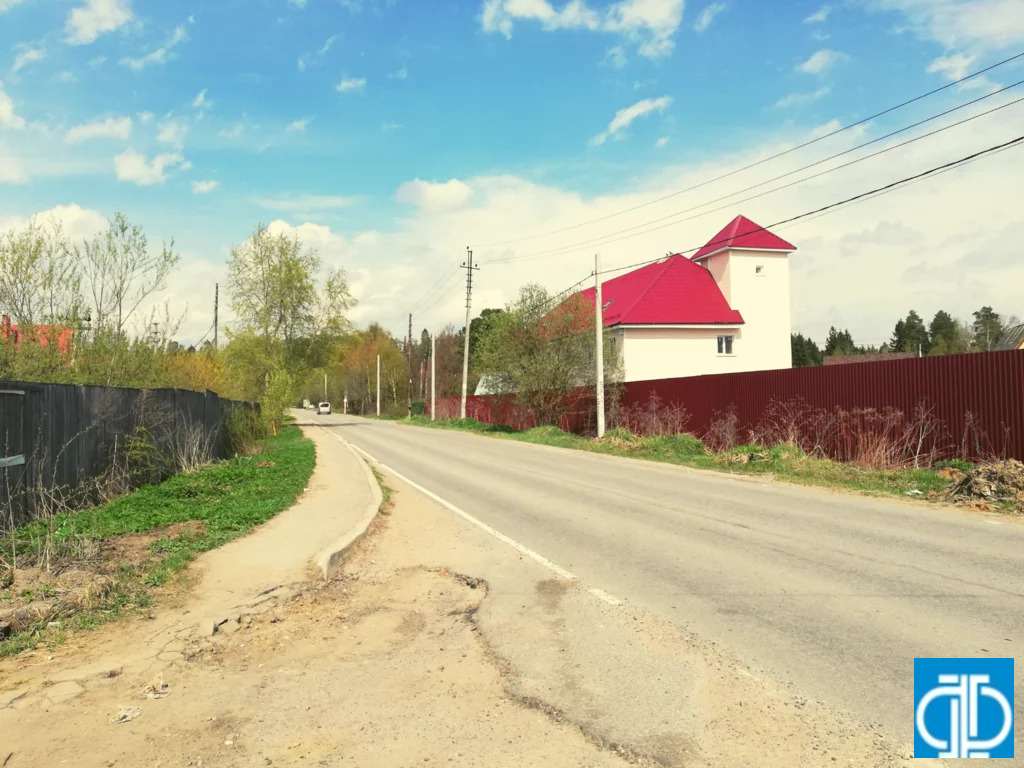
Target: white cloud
point(172, 132)
point(10, 171)
point(707, 16)
point(663, 141)
point(66, 76)
point(202, 187)
point(97, 61)
point(8, 117)
point(26, 55)
point(297, 126)
point(298, 3)
point(201, 102)
point(627, 115)
point(649, 24)
point(400, 74)
point(108, 128)
point(793, 99)
point(145, 117)
point(437, 197)
point(134, 167)
point(161, 55)
point(387, 127)
point(95, 18)
point(350, 84)
point(819, 15)
point(6, 5)
point(233, 132)
point(982, 25)
point(311, 58)
point(615, 57)
point(305, 203)
point(821, 61)
point(957, 66)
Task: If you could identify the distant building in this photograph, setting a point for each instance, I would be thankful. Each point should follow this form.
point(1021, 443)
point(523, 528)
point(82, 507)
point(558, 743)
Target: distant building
point(1012, 338)
point(42, 335)
point(724, 310)
point(872, 358)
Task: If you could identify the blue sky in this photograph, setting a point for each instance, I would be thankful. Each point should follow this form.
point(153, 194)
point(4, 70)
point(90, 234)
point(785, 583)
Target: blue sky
point(391, 134)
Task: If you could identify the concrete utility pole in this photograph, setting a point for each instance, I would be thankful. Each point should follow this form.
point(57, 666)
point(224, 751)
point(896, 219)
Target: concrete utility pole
point(468, 266)
point(433, 375)
point(325, 386)
point(378, 385)
point(408, 356)
point(216, 306)
point(599, 344)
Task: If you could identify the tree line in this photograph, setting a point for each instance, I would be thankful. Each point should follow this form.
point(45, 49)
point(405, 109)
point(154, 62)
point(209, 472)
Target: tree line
point(944, 335)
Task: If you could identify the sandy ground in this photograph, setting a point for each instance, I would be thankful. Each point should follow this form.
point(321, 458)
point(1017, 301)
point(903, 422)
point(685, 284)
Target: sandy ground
point(436, 644)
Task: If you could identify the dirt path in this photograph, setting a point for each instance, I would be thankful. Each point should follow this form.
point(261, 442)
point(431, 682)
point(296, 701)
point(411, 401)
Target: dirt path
point(435, 644)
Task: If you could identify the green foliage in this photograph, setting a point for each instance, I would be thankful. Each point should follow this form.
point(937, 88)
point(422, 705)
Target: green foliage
point(910, 335)
point(987, 328)
point(277, 397)
point(805, 351)
point(839, 343)
point(245, 430)
point(540, 350)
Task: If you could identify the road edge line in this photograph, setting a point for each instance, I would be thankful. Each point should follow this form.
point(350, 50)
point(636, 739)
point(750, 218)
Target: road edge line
point(558, 570)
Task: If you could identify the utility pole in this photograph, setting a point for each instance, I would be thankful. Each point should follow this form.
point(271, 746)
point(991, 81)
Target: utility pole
point(433, 374)
point(468, 266)
point(378, 385)
point(408, 356)
point(216, 306)
point(599, 344)
point(325, 386)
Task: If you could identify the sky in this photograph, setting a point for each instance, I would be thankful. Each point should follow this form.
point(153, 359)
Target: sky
point(393, 134)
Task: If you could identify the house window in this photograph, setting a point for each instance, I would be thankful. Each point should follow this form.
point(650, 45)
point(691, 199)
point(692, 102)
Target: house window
point(725, 345)
point(759, 270)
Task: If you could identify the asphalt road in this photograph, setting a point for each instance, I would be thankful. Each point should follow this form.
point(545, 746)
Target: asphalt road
point(830, 594)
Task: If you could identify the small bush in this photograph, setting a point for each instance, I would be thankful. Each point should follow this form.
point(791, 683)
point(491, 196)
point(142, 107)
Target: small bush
point(960, 464)
point(548, 430)
point(245, 430)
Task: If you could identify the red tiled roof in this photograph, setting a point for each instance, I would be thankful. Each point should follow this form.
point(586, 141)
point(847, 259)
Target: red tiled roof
point(675, 291)
point(741, 232)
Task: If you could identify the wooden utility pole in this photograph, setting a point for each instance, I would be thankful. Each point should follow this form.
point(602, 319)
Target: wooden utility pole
point(599, 344)
point(216, 307)
point(433, 375)
point(408, 355)
point(378, 385)
point(468, 266)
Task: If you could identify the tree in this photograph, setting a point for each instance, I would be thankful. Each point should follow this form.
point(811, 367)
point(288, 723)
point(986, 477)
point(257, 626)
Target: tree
point(540, 353)
point(805, 351)
point(119, 273)
point(910, 335)
point(285, 322)
point(942, 330)
point(987, 328)
point(839, 343)
point(40, 279)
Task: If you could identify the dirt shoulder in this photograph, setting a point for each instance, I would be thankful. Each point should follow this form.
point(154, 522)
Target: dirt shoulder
point(435, 644)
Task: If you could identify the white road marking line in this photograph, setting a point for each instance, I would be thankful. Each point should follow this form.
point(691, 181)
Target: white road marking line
point(558, 570)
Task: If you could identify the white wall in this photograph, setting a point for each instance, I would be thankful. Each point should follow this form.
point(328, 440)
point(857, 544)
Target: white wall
point(763, 300)
point(668, 353)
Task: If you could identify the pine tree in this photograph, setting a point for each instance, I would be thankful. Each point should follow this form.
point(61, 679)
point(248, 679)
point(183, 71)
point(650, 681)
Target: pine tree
point(805, 351)
point(987, 327)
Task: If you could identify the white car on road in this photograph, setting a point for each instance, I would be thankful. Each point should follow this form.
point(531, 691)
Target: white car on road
point(323, 408)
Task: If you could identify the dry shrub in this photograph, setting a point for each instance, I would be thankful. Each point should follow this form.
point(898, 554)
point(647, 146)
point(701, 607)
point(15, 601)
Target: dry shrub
point(723, 432)
point(653, 419)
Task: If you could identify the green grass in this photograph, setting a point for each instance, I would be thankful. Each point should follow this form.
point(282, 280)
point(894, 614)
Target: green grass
point(784, 462)
point(229, 497)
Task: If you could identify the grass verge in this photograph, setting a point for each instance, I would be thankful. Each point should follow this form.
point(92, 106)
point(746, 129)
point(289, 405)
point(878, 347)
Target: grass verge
point(782, 462)
point(144, 538)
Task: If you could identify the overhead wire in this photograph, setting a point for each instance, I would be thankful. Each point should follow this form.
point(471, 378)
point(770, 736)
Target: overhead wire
point(747, 167)
point(831, 206)
point(603, 239)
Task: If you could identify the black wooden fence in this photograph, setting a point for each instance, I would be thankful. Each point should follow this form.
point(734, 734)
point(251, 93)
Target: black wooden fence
point(58, 436)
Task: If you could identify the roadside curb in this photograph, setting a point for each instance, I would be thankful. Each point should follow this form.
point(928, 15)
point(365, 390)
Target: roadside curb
point(329, 559)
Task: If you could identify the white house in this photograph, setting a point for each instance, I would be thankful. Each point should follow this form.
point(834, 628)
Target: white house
point(724, 310)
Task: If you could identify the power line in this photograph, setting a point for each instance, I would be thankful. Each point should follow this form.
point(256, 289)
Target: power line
point(877, 191)
point(601, 240)
point(758, 162)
